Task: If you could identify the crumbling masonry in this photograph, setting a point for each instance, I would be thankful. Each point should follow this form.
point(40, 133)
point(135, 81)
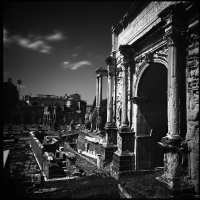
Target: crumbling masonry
point(152, 94)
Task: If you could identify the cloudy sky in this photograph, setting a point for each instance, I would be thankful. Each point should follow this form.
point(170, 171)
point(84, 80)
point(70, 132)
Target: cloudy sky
point(55, 47)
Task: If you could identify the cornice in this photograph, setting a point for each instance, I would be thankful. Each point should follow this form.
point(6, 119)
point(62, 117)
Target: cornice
point(101, 72)
point(143, 23)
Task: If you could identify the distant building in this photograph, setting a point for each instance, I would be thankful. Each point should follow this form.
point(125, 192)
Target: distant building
point(25, 114)
point(45, 109)
point(75, 109)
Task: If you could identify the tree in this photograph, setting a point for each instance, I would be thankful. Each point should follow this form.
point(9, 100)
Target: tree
point(10, 99)
point(19, 83)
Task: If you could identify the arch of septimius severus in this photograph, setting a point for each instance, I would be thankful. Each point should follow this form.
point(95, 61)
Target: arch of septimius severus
point(152, 93)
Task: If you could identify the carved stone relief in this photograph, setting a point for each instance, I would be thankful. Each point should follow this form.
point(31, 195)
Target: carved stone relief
point(160, 54)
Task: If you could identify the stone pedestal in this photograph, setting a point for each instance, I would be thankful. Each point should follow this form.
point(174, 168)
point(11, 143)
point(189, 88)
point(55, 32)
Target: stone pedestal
point(111, 134)
point(164, 191)
point(124, 158)
point(109, 150)
point(123, 164)
point(175, 181)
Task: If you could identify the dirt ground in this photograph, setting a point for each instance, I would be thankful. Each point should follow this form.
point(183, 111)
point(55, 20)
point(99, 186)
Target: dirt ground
point(93, 185)
point(23, 164)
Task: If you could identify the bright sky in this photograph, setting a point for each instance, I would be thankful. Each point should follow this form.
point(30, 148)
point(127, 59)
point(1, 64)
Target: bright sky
point(55, 47)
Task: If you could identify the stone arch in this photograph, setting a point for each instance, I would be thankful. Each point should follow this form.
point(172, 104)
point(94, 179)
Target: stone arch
point(27, 119)
point(144, 66)
point(151, 120)
point(16, 119)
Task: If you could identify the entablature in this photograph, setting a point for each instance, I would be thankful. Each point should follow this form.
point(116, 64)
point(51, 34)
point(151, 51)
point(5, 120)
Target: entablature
point(101, 72)
point(145, 21)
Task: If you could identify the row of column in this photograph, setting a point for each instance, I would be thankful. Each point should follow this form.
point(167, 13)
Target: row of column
point(110, 61)
point(99, 84)
point(126, 52)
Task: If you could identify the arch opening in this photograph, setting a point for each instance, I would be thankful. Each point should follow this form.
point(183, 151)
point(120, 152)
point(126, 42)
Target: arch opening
point(152, 114)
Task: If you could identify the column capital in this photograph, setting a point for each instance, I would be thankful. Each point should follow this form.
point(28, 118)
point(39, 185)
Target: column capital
point(101, 72)
point(124, 66)
point(127, 52)
point(173, 14)
point(110, 61)
point(175, 23)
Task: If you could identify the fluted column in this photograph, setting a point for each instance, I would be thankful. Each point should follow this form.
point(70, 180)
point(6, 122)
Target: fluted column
point(97, 91)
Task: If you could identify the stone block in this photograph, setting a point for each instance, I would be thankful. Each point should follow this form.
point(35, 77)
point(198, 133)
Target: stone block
point(164, 191)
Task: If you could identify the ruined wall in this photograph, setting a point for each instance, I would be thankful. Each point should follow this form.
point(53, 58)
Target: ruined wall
point(37, 147)
point(192, 136)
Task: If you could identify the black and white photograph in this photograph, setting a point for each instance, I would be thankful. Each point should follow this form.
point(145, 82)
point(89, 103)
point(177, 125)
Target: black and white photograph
point(100, 99)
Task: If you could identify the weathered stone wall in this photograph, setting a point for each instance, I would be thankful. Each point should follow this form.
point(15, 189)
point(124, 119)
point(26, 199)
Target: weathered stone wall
point(37, 147)
point(86, 146)
point(192, 136)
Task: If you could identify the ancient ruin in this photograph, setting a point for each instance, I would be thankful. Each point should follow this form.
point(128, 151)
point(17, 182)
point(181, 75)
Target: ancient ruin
point(152, 95)
point(152, 120)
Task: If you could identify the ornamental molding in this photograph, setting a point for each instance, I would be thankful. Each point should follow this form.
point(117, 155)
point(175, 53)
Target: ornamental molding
point(127, 53)
point(126, 50)
point(110, 60)
point(141, 24)
point(173, 14)
point(149, 41)
point(174, 36)
point(158, 56)
point(101, 72)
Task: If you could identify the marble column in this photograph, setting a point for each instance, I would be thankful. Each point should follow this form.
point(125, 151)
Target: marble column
point(125, 51)
point(173, 109)
point(124, 157)
point(124, 95)
point(114, 87)
point(110, 69)
point(97, 91)
point(100, 89)
point(175, 148)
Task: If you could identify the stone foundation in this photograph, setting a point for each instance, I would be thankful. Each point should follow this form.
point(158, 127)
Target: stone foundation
point(51, 160)
point(94, 150)
point(123, 164)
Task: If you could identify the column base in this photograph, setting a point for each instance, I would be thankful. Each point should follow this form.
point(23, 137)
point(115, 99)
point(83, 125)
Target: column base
point(124, 128)
point(123, 164)
point(111, 134)
point(108, 151)
point(164, 191)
